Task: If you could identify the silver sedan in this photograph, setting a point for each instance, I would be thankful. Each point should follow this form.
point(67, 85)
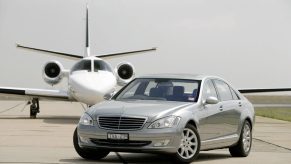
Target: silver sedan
point(180, 115)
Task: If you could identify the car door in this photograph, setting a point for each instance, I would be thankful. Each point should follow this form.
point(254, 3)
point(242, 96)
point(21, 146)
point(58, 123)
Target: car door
point(209, 123)
point(229, 114)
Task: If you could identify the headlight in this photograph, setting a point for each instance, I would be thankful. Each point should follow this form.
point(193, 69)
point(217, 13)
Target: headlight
point(166, 122)
point(86, 120)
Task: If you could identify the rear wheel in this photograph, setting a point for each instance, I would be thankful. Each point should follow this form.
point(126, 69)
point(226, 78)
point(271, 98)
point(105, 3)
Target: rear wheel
point(190, 145)
point(243, 147)
point(92, 154)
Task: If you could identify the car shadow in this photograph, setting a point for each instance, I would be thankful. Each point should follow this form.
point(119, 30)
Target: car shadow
point(147, 158)
point(208, 156)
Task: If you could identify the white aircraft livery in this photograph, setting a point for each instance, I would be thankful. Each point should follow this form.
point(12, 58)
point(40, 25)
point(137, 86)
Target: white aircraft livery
point(89, 80)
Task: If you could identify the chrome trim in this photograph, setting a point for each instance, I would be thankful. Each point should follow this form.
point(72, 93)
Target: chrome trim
point(118, 126)
point(221, 138)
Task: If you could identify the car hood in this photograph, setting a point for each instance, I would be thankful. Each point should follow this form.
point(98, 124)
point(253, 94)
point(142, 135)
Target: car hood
point(149, 109)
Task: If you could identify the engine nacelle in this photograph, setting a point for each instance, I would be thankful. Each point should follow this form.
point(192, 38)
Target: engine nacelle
point(53, 72)
point(125, 73)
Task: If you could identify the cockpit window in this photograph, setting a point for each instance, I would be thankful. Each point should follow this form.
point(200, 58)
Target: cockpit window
point(86, 65)
point(82, 65)
point(101, 65)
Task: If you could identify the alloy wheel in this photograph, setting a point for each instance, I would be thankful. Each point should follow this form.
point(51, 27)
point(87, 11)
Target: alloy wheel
point(188, 145)
point(247, 138)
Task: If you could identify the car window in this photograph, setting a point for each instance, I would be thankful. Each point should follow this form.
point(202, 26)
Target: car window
point(151, 84)
point(209, 90)
point(131, 92)
point(223, 90)
point(234, 94)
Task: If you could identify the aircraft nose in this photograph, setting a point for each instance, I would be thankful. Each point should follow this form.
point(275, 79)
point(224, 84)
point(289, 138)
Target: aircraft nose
point(92, 88)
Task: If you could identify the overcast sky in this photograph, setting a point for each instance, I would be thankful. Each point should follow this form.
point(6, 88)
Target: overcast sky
point(247, 42)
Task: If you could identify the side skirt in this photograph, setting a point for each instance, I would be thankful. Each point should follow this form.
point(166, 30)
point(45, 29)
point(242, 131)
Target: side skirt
point(220, 142)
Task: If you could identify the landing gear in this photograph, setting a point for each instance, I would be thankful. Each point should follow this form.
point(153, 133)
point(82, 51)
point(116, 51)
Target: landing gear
point(34, 108)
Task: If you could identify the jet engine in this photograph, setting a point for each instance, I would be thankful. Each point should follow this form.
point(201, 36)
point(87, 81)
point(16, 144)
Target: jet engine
point(53, 72)
point(124, 72)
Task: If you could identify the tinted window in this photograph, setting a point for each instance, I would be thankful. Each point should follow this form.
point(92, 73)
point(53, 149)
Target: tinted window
point(161, 89)
point(82, 65)
point(209, 90)
point(151, 84)
point(223, 90)
point(101, 65)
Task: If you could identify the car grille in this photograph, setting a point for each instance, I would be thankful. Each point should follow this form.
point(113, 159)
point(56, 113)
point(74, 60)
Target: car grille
point(126, 143)
point(121, 122)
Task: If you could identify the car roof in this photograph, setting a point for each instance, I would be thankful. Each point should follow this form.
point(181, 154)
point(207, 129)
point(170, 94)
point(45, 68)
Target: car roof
point(178, 76)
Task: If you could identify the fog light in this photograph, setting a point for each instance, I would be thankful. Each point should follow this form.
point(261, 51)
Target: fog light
point(162, 143)
point(84, 140)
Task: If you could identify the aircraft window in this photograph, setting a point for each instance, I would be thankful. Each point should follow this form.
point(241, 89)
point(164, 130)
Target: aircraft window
point(82, 65)
point(101, 65)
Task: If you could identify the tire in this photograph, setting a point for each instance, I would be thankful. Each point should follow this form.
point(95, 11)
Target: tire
point(91, 154)
point(244, 144)
point(190, 141)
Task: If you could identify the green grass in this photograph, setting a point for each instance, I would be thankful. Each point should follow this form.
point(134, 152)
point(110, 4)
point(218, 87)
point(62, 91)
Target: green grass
point(269, 99)
point(275, 113)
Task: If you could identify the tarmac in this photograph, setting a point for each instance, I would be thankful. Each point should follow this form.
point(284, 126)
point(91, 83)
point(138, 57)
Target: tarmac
point(48, 139)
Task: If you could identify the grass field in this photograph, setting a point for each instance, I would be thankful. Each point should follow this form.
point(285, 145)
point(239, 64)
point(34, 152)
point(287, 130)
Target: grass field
point(275, 113)
point(269, 99)
point(280, 113)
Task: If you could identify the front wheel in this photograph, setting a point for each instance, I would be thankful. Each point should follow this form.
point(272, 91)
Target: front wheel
point(190, 145)
point(91, 154)
point(243, 147)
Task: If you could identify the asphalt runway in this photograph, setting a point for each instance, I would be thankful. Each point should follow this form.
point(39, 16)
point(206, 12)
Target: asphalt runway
point(48, 139)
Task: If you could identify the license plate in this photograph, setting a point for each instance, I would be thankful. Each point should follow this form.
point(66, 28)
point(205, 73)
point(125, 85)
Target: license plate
point(117, 136)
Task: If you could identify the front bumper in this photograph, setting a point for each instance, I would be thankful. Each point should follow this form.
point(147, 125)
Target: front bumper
point(144, 140)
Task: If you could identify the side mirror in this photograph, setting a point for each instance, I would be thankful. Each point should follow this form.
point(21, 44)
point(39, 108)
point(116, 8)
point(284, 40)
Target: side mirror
point(211, 100)
point(109, 96)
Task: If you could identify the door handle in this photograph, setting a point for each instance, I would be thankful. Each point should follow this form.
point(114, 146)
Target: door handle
point(221, 108)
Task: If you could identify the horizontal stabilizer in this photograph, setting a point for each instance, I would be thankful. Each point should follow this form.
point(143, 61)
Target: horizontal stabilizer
point(55, 53)
point(264, 90)
point(113, 55)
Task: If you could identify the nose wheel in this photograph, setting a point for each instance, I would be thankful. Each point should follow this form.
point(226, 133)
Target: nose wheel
point(34, 108)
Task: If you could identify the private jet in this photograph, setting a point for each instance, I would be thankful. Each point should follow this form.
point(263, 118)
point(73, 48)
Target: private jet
point(89, 80)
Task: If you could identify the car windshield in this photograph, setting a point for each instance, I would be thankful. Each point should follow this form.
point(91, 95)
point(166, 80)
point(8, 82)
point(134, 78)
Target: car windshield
point(160, 89)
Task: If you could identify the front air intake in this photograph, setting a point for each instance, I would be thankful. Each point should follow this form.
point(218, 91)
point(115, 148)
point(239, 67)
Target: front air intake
point(121, 122)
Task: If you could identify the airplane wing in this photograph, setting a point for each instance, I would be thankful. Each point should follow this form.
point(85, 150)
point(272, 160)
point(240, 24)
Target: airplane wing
point(264, 90)
point(10, 93)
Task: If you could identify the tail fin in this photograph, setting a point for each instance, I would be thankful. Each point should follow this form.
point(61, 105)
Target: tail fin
point(87, 48)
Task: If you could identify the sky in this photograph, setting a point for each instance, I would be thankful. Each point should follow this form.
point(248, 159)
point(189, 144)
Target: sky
point(247, 42)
